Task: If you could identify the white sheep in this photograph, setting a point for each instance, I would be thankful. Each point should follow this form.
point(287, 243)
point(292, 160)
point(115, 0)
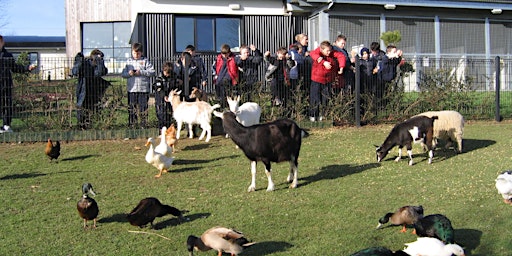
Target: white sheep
point(449, 127)
point(198, 112)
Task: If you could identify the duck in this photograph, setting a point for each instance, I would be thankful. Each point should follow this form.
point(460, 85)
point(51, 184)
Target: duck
point(170, 137)
point(437, 226)
point(52, 150)
point(504, 186)
point(86, 206)
point(163, 148)
point(430, 246)
point(405, 215)
point(148, 209)
point(220, 239)
point(159, 161)
point(379, 251)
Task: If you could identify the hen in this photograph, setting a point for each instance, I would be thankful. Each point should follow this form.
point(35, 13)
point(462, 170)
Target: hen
point(51, 150)
point(170, 137)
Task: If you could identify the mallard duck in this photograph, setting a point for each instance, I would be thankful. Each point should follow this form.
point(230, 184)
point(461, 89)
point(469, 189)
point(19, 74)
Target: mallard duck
point(379, 251)
point(435, 225)
point(51, 150)
point(87, 207)
point(405, 215)
point(163, 148)
point(150, 208)
point(161, 162)
point(504, 186)
point(429, 246)
point(220, 239)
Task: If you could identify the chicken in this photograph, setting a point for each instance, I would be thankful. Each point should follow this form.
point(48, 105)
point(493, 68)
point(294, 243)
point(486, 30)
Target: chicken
point(51, 150)
point(170, 137)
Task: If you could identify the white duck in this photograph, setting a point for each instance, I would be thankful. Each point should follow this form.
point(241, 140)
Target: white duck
point(504, 186)
point(161, 162)
point(429, 246)
point(220, 239)
point(163, 148)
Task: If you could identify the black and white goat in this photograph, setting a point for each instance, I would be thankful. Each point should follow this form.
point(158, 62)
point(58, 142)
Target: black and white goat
point(413, 130)
point(275, 141)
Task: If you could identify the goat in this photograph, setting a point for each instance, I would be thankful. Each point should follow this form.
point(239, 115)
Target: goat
point(416, 129)
point(198, 112)
point(275, 141)
point(198, 94)
point(247, 114)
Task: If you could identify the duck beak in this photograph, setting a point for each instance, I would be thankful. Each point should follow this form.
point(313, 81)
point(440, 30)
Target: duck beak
point(378, 226)
point(92, 192)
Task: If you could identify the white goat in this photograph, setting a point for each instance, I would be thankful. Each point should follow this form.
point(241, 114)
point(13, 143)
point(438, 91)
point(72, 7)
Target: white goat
point(198, 112)
point(247, 114)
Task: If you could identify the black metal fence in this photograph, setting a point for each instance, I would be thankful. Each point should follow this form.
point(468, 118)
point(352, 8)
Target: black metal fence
point(478, 88)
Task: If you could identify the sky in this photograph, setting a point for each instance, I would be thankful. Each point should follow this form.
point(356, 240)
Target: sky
point(32, 18)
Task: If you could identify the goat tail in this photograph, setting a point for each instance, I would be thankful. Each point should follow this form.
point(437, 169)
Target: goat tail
point(216, 106)
point(304, 133)
point(434, 117)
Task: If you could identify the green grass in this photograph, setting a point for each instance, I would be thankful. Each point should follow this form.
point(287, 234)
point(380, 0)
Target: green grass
point(342, 193)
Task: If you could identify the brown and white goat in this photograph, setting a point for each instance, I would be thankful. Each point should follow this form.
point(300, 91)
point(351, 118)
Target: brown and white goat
point(197, 112)
point(418, 129)
point(198, 94)
point(275, 141)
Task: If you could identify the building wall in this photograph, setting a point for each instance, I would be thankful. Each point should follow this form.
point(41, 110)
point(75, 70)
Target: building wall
point(78, 11)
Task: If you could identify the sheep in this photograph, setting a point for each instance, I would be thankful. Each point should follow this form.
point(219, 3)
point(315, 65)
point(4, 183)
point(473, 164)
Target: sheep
point(449, 127)
point(198, 112)
point(198, 94)
point(416, 129)
point(275, 141)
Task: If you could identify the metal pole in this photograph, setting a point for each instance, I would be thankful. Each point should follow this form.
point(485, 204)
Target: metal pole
point(497, 68)
point(186, 85)
point(358, 95)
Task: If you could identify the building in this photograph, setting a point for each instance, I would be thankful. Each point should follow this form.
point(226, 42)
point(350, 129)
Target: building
point(47, 52)
point(430, 29)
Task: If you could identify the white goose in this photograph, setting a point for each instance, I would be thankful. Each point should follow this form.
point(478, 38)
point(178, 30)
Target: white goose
point(159, 161)
point(163, 148)
point(429, 246)
point(504, 186)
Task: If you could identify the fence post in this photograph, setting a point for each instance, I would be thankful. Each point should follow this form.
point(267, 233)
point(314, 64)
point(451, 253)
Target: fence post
point(186, 83)
point(358, 94)
point(497, 84)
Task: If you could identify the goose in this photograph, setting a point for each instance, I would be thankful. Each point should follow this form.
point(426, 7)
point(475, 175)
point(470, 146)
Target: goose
point(159, 161)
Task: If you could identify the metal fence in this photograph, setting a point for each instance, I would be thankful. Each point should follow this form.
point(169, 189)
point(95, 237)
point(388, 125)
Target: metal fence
point(44, 107)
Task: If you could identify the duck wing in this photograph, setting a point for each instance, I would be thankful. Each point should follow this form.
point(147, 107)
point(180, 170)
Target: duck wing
point(437, 226)
point(145, 212)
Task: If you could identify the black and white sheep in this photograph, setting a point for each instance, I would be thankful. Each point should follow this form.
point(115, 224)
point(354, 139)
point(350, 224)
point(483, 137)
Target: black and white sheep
point(275, 141)
point(417, 129)
point(449, 127)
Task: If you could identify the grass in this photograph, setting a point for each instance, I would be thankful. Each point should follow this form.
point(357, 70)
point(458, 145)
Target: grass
point(342, 193)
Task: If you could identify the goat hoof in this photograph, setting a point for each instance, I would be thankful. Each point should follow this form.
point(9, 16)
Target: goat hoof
point(410, 162)
point(293, 185)
point(251, 189)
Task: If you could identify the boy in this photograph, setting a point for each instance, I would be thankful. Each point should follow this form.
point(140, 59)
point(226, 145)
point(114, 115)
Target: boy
point(138, 70)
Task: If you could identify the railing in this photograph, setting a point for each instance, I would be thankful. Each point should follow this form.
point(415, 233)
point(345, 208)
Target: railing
point(45, 108)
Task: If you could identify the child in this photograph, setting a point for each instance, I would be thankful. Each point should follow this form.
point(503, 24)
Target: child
point(225, 72)
point(165, 82)
point(278, 73)
point(138, 70)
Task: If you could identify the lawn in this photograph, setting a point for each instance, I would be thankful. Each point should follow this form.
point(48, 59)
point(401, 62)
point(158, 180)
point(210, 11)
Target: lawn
point(341, 195)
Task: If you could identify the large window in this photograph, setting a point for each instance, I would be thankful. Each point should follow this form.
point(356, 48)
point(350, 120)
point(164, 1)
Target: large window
point(206, 33)
point(112, 38)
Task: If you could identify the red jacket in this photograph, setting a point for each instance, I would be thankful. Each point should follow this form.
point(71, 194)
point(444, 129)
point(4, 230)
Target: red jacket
point(319, 73)
point(231, 65)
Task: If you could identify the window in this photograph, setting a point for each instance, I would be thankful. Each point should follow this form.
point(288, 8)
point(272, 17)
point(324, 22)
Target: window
point(206, 33)
point(112, 38)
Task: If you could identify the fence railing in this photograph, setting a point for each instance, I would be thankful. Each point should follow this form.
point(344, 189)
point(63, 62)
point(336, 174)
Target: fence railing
point(45, 107)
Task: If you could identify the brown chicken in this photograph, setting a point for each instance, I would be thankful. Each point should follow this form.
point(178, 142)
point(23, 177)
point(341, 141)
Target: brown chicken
point(51, 150)
point(170, 137)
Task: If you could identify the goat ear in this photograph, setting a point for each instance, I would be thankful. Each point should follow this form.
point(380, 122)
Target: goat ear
point(229, 98)
point(238, 98)
point(218, 114)
point(178, 92)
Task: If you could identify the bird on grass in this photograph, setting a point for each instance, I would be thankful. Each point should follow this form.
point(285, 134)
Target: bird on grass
point(159, 161)
point(429, 246)
point(504, 186)
point(379, 251)
point(405, 215)
point(52, 150)
point(437, 226)
point(150, 208)
point(87, 207)
point(220, 239)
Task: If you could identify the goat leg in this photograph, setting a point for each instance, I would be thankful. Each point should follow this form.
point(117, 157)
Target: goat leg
point(252, 187)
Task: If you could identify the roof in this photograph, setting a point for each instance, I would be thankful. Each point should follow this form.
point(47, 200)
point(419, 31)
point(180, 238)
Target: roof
point(35, 41)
